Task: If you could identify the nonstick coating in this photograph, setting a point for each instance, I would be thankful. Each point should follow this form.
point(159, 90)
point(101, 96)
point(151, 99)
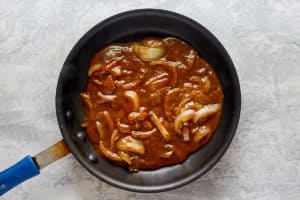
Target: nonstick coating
point(135, 25)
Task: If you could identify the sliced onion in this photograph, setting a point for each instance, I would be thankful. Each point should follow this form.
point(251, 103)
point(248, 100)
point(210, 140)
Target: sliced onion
point(173, 148)
point(181, 118)
point(186, 135)
point(157, 77)
point(108, 120)
point(139, 116)
point(124, 128)
point(190, 58)
point(105, 98)
point(148, 53)
point(158, 84)
point(116, 71)
point(95, 67)
point(86, 99)
point(133, 97)
point(109, 154)
point(130, 144)
point(125, 157)
point(206, 111)
point(204, 82)
point(113, 138)
point(201, 133)
point(143, 134)
point(166, 135)
point(167, 154)
point(131, 84)
point(100, 129)
point(171, 95)
point(181, 105)
point(171, 69)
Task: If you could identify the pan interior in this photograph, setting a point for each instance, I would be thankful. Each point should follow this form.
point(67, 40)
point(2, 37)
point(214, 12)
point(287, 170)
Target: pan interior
point(130, 26)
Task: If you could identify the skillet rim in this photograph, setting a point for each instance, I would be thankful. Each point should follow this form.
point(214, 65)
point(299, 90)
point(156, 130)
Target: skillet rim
point(142, 188)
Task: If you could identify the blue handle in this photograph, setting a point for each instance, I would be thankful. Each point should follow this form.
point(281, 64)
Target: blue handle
point(16, 174)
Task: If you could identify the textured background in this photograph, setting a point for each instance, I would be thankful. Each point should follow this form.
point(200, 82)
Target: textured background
point(263, 39)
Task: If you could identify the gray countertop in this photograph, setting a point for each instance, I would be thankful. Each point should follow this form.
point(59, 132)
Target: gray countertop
point(263, 39)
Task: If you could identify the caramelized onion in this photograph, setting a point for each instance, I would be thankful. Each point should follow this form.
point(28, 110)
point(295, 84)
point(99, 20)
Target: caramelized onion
point(124, 128)
point(201, 133)
point(155, 85)
point(100, 129)
point(190, 58)
point(131, 84)
point(204, 82)
point(105, 98)
point(157, 77)
point(86, 99)
point(139, 116)
point(181, 105)
point(186, 135)
point(171, 68)
point(147, 53)
point(181, 118)
point(143, 134)
point(205, 112)
point(171, 95)
point(98, 66)
point(166, 135)
point(113, 138)
point(116, 71)
point(130, 144)
point(109, 154)
point(133, 97)
point(108, 120)
point(95, 67)
point(167, 154)
point(125, 157)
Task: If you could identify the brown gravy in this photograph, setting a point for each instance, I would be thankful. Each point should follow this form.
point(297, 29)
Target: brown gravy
point(150, 103)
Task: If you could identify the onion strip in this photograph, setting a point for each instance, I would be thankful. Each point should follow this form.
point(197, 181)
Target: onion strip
point(105, 98)
point(108, 120)
point(171, 68)
point(206, 111)
point(124, 128)
point(100, 129)
point(109, 154)
point(201, 133)
point(166, 135)
point(94, 68)
point(154, 78)
point(131, 84)
point(125, 157)
point(86, 99)
point(130, 144)
point(181, 118)
point(143, 134)
point(186, 135)
point(172, 93)
point(139, 116)
point(167, 154)
point(113, 138)
point(133, 97)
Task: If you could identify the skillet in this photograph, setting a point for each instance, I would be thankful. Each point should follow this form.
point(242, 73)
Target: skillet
point(130, 26)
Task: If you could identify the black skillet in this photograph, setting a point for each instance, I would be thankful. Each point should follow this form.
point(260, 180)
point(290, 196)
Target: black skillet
point(124, 27)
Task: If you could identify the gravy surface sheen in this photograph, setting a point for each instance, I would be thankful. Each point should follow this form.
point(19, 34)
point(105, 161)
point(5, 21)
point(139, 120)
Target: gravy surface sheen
point(150, 103)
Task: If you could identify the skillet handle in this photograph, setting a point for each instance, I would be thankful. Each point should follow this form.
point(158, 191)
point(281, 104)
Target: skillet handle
point(30, 166)
point(16, 174)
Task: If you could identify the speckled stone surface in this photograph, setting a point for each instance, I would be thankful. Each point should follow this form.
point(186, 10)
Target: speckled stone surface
point(263, 39)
